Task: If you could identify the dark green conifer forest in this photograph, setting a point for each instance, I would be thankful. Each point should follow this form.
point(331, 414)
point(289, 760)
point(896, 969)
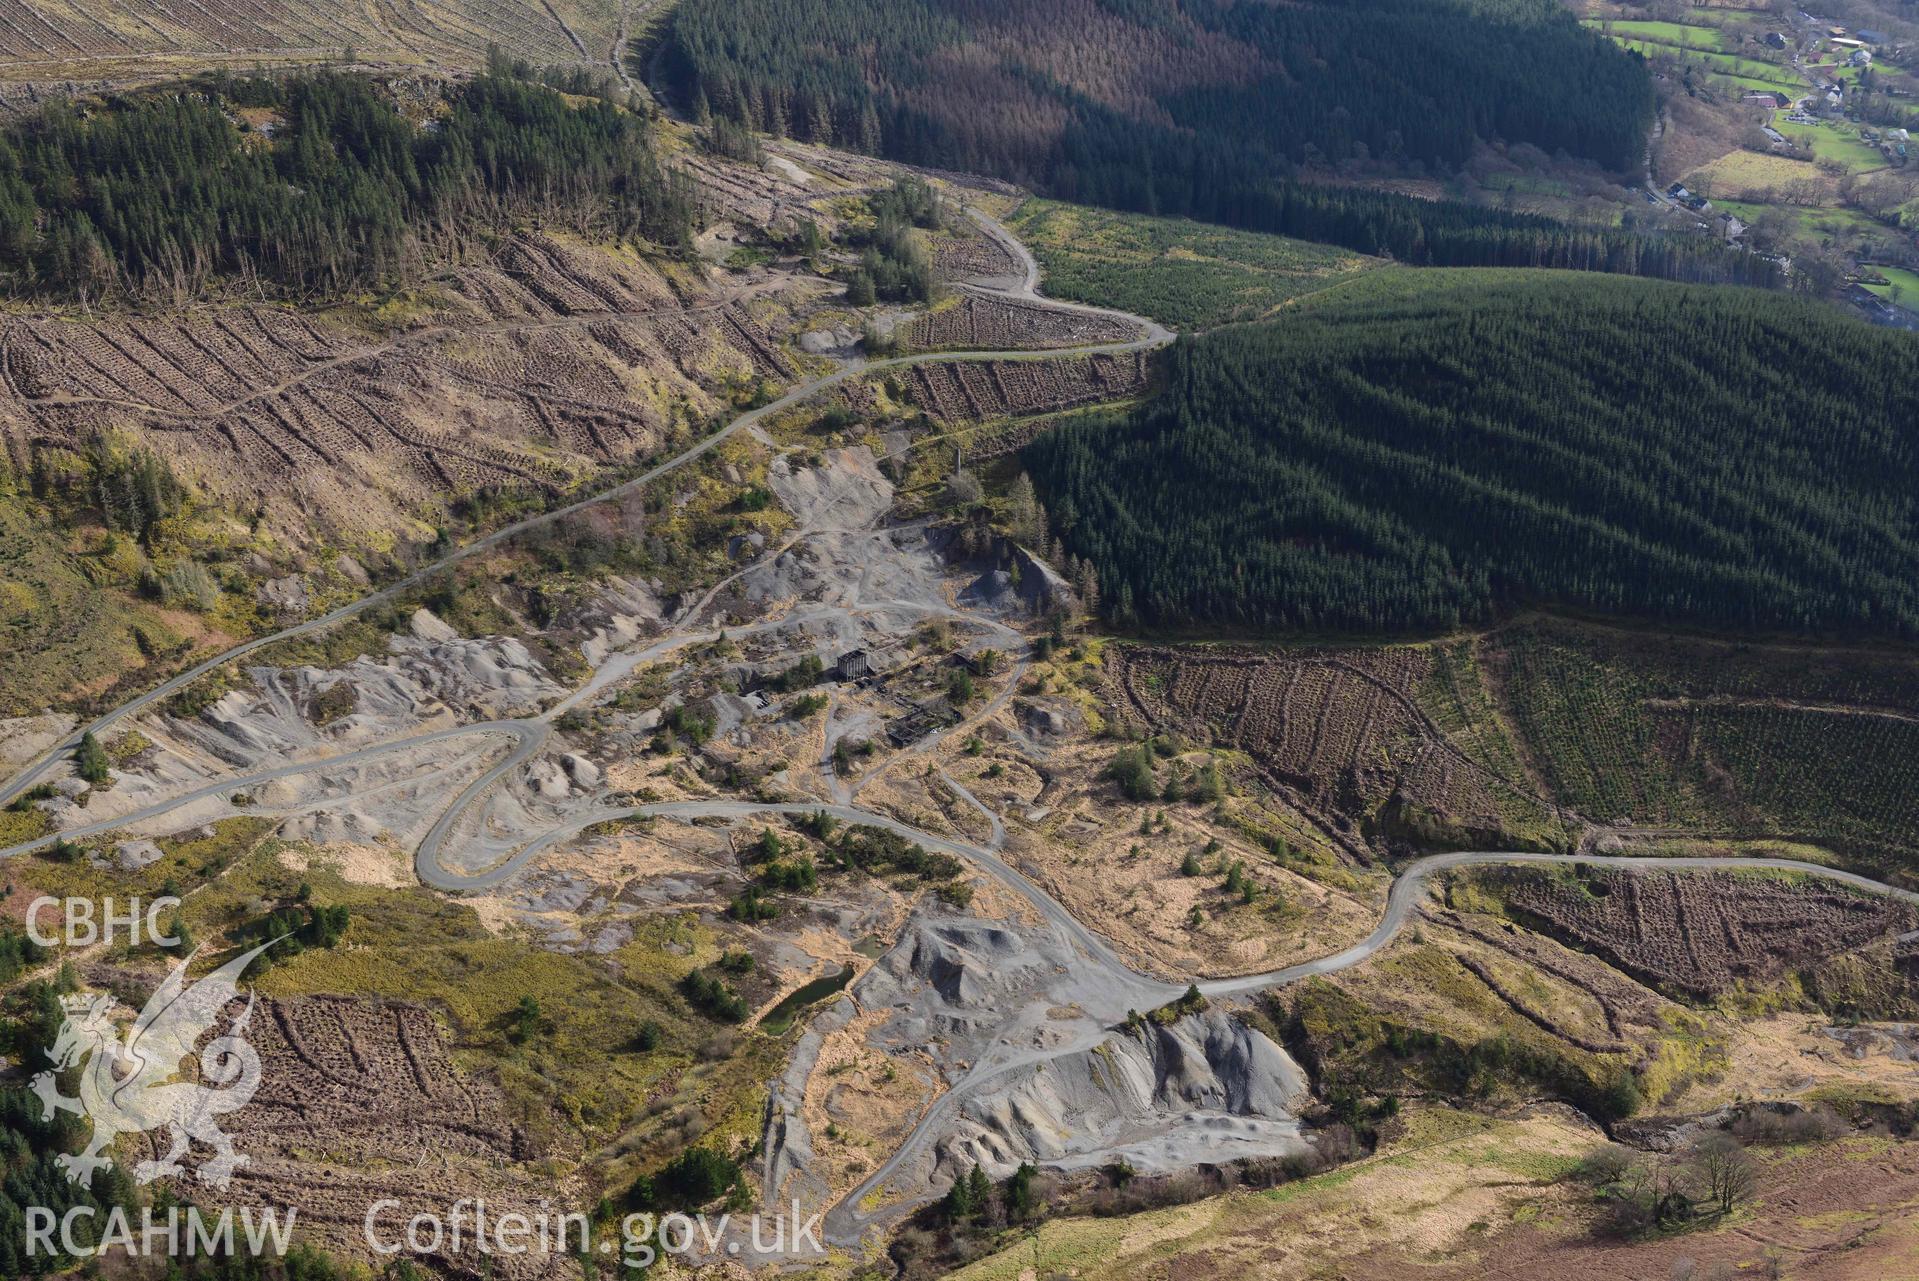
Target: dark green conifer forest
point(1206, 110)
point(336, 190)
point(1422, 80)
point(1413, 451)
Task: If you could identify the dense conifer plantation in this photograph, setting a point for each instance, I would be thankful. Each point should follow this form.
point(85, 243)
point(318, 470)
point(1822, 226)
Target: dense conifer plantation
point(334, 190)
point(1416, 450)
point(1418, 79)
point(1204, 109)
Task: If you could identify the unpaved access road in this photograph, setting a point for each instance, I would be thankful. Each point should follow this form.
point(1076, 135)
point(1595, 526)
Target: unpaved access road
point(1152, 336)
point(1119, 987)
point(846, 1222)
point(1127, 990)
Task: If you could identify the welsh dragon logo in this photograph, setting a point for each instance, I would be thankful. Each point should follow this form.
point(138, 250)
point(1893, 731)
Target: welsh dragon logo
point(133, 1086)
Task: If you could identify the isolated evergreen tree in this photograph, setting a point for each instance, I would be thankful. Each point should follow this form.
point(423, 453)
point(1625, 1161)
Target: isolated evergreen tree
point(90, 760)
point(1018, 1193)
point(959, 1204)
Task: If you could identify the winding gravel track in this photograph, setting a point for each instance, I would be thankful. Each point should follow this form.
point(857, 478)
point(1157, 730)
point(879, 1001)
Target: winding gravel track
point(1152, 335)
point(846, 1222)
point(1028, 287)
point(529, 736)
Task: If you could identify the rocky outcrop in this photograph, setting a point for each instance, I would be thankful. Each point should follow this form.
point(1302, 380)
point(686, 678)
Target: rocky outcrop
point(624, 611)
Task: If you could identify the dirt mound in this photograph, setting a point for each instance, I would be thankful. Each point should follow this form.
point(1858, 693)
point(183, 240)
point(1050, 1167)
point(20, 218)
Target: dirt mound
point(1206, 1089)
point(978, 971)
point(337, 738)
point(1017, 1013)
point(281, 712)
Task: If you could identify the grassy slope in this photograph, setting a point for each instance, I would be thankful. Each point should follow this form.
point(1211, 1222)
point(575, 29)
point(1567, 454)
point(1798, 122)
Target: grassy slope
point(1906, 281)
point(1666, 33)
point(1446, 1171)
point(1749, 71)
point(1185, 274)
point(1745, 170)
point(1459, 1197)
point(62, 629)
point(1813, 222)
point(1835, 142)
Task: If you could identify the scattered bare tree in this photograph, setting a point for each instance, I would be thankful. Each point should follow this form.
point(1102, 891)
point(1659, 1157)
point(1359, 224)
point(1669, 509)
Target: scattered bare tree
point(963, 486)
point(1726, 1170)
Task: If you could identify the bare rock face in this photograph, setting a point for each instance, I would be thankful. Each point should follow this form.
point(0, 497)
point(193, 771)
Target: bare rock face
point(584, 773)
point(547, 779)
point(846, 490)
point(839, 341)
point(624, 611)
point(430, 627)
point(290, 595)
point(24, 737)
point(351, 570)
point(130, 856)
point(861, 591)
